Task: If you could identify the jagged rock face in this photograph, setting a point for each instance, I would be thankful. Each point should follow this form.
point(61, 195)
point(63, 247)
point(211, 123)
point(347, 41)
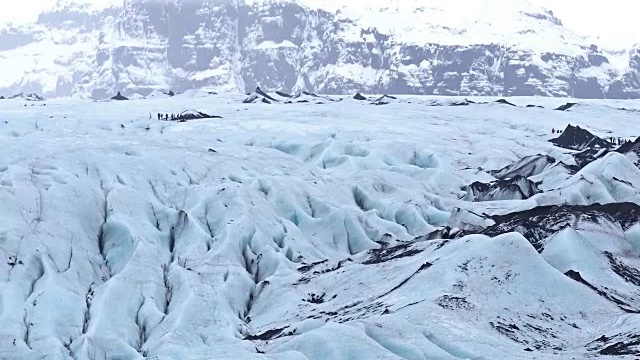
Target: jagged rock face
point(525, 167)
point(229, 45)
point(631, 146)
point(540, 223)
point(632, 150)
point(516, 188)
point(628, 85)
point(577, 138)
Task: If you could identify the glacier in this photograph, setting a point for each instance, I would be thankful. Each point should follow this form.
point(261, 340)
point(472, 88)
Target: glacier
point(329, 229)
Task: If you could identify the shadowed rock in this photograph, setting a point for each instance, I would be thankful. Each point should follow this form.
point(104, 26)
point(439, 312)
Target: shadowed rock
point(119, 97)
point(566, 106)
point(588, 156)
point(260, 96)
point(541, 222)
point(384, 100)
point(525, 167)
point(505, 102)
point(577, 138)
point(194, 115)
point(264, 94)
point(27, 97)
point(283, 94)
point(515, 188)
point(630, 147)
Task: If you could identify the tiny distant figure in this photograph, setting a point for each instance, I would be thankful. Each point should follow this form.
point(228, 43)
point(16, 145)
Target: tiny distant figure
point(553, 130)
point(159, 116)
point(166, 117)
point(150, 117)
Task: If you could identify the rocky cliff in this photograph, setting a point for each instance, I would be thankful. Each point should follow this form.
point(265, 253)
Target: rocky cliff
point(292, 45)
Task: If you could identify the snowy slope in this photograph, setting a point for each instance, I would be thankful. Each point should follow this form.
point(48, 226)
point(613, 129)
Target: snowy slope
point(384, 46)
point(314, 231)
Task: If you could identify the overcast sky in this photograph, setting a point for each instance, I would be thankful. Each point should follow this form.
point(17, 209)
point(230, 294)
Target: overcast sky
point(613, 21)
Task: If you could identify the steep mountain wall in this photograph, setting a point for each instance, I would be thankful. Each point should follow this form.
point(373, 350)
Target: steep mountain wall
point(287, 45)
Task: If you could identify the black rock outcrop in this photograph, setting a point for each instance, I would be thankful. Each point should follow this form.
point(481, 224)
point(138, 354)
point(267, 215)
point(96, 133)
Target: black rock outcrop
point(119, 97)
point(577, 138)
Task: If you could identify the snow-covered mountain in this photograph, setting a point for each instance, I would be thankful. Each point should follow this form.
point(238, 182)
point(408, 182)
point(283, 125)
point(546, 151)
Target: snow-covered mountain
point(384, 46)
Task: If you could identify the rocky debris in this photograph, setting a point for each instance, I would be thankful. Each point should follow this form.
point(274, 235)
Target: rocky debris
point(119, 97)
point(382, 255)
point(359, 97)
point(605, 292)
point(384, 100)
point(525, 167)
point(449, 102)
point(505, 102)
point(465, 222)
point(444, 234)
point(629, 110)
point(253, 98)
point(271, 334)
point(27, 97)
point(284, 95)
point(306, 97)
point(454, 302)
point(631, 147)
point(264, 95)
point(577, 138)
point(515, 188)
point(628, 273)
point(535, 106)
point(566, 106)
point(260, 96)
point(587, 156)
point(194, 115)
point(541, 222)
point(318, 97)
point(619, 343)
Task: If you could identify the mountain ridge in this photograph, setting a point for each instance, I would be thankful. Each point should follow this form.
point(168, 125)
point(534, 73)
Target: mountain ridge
point(298, 45)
